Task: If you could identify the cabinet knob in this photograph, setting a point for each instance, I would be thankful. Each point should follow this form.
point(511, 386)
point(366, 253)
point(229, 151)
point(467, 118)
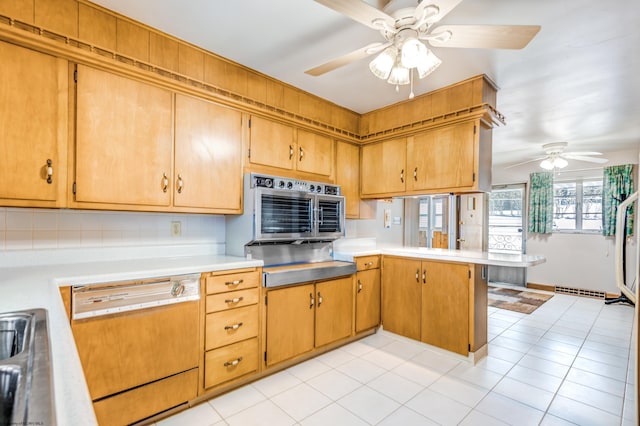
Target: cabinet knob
point(179, 184)
point(234, 282)
point(290, 152)
point(49, 171)
point(312, 301)
point(301, 154)
point(424, 276)
point(417, 275)
point(234, 300)
point(402, 175)
point(359, 286)
point(415, 174)
point(319, 299)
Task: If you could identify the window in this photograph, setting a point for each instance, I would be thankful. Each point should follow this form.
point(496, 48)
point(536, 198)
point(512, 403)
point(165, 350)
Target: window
point(577, 206)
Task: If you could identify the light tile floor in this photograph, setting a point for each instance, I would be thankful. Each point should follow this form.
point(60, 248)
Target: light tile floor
point(569, 362)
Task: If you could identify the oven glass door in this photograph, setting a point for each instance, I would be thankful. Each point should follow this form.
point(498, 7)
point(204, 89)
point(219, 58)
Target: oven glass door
point(282, 215)
point(330, 216)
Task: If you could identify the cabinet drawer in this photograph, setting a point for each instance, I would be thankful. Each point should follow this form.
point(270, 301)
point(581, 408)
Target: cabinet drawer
point(230, 362)
point(232, 299)
point(233, 325)
point(230, 282)
point(367, 262)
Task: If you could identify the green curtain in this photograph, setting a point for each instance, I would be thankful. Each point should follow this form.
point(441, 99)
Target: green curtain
point(541, 203)
point(617, 185)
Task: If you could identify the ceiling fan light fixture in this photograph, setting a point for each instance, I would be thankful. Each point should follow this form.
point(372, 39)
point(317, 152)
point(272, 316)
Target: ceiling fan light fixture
point(413, 52)
point(554, 163)
point(382, 64)
point(399, 75)
point(428, 64)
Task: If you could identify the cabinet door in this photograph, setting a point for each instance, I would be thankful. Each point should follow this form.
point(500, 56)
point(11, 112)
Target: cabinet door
point(208, 155)
point(33, 101)
point(445, 306)
point(271, 144)
point(123, 140)
point(367, 299)
point(401, 296)
point(314, 153)
point(442, 158)
point(290, 322)
point(383, 168)
point(348, 177)
point(334, 310)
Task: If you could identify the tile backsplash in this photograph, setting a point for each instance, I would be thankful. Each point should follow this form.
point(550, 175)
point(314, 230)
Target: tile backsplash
point(42, 229)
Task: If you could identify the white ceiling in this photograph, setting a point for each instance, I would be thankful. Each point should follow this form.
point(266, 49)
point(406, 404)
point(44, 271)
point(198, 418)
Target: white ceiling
point(577, 81)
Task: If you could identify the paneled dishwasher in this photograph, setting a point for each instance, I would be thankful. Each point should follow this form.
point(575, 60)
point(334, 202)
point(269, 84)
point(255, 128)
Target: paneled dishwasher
point(138, 341)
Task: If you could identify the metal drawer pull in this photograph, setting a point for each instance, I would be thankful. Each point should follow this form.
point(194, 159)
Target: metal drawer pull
point(417, 275)
point(233, 327)
point(301, 154)
point(234, 300)
point(165, 182)
point(415, 174)
point(424, 276)
point(312, 301)
point(180, 184)
point(49, 171)
point(359, 286)
point(368, 264)
point(235, 282)
point(319, 299)
point(402, 176)
point(290, 152)
point(233, 363)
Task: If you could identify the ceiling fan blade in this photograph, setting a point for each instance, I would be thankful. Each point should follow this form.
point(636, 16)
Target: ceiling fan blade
point(587, 159)
point(484, 36)
point(360, 11)
point(356, 55)
point(581, 153)
point(445, 7)
point(525, 162)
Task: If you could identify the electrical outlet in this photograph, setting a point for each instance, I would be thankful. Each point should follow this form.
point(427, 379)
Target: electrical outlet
point(176, 228)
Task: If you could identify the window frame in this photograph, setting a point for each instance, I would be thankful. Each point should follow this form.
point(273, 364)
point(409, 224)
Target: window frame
point(579, 182)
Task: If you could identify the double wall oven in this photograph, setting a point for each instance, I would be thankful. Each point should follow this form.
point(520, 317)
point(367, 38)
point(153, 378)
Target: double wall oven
point(289, 222)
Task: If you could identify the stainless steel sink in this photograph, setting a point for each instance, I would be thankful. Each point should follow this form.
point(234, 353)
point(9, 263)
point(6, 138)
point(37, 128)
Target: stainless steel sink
point(26, 387)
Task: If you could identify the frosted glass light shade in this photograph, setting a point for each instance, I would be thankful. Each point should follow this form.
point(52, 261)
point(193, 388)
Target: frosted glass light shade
point(399, 75)
point(428, 63)
point(554, 163)
point(382, 64)
point(413, 52)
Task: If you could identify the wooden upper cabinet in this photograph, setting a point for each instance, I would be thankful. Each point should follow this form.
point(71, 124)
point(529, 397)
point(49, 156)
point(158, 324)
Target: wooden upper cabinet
point(34, 119)
point(444, 158)
point(208, 156)
point(383, 169)
point(314, 153)
point(279, 146)
point(271, 144)
point(348, 177)
point(123, 141)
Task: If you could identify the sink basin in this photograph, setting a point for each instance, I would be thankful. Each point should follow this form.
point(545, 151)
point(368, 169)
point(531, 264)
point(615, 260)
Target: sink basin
point(14, 330)
point(26, 386)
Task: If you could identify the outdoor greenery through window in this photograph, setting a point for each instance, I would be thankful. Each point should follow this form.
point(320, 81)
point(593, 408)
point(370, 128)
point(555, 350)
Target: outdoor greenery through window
point(577, 206)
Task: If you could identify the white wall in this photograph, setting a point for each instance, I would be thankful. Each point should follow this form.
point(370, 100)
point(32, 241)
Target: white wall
point(573, 260)
point(24, 229)
point(374, 228)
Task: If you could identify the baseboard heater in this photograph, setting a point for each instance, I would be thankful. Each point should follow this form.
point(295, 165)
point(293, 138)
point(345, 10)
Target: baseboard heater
point(581, 292)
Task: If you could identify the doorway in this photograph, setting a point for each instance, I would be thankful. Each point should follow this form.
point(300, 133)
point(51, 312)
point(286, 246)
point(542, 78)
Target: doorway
point(507, 234)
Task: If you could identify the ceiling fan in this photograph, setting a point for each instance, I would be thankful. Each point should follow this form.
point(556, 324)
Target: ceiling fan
point(404, 31)
point(556, 158)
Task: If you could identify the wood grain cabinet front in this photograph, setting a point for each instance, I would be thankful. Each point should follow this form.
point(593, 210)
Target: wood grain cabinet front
point(438, 303)
point(367, 292)
point(34, 122)
point(231, 326)
point(275, 147)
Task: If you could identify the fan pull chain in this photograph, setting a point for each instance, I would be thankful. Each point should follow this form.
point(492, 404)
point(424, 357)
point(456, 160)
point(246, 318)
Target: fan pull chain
point(411, 95)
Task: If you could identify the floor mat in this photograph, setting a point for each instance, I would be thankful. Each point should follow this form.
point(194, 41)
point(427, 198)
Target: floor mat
point(516, 300)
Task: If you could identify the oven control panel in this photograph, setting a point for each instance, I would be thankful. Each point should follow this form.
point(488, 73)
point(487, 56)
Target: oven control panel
point(287, 184)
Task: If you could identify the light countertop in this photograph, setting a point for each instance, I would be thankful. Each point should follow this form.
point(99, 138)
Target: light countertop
point(462, 256)
point(29, 287)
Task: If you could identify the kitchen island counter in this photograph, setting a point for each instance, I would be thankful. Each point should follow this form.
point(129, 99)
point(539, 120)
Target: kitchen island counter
point(463, 256)
point(28, 286)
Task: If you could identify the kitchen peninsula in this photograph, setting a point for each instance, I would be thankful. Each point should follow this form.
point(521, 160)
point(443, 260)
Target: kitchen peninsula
point(437, 296)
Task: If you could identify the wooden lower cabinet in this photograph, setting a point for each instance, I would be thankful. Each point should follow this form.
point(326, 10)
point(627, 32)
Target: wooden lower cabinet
point(301, 318)
point(230, 362)
point(435, 302)
point(367, 293)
